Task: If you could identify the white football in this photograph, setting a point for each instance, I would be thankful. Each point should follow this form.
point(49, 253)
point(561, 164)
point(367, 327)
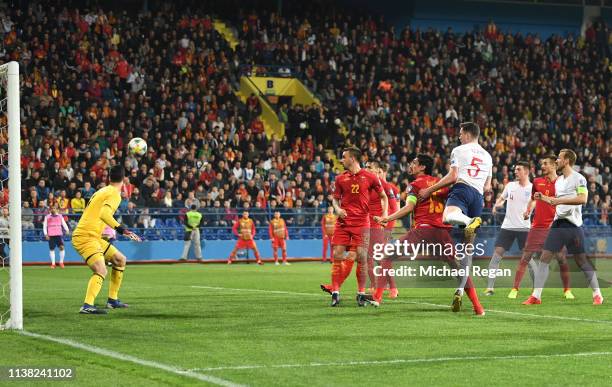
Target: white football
point(137, 146)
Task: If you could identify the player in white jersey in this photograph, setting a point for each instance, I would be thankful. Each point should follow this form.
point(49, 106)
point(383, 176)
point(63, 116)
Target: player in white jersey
point(566, 230)
point(517, 194)
point(470, 171)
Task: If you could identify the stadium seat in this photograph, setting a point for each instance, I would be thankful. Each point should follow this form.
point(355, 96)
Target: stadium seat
point(209, 233)
point(151, 234)
point(172, 222)
point(225, 234)
point(306, 233)
point(168, 234)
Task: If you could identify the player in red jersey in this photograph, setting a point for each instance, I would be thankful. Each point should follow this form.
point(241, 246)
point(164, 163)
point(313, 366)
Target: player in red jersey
point(328, 225)
point(377, 231)
point(428, 224)
point(244, 229)
point(351, 201)
point(278, 236)
point(540, 225)
point(387, 281)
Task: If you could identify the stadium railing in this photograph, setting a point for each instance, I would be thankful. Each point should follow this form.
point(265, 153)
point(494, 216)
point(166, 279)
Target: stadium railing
point(259, 70)
point(302, 223)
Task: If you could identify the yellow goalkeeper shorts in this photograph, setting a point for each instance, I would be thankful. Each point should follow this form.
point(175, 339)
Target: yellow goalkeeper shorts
point(93, 249)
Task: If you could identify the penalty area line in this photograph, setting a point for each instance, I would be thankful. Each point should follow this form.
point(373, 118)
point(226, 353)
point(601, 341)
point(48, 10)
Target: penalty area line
point(544, 316)
point(404, 361)
point(132, 359)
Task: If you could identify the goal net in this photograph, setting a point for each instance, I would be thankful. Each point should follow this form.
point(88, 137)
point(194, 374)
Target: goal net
point(11, 296)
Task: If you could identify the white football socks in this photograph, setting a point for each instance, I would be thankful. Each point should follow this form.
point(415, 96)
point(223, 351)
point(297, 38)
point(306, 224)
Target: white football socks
point(493, 266)
point(541, 275)
point(458, 218)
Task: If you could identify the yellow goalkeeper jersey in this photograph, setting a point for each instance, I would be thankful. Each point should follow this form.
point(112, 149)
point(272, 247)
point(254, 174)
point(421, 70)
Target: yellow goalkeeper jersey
point(98, 213)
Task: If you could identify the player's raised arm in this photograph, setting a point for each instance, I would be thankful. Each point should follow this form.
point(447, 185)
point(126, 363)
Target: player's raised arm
point(448, 179)
point(581, 198)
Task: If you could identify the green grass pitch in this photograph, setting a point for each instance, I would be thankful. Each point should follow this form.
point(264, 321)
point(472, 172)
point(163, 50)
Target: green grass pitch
point(271, 325)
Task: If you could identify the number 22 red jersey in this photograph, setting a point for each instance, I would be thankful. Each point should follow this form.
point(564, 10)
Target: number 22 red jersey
point(353, 191)
point(428, 213)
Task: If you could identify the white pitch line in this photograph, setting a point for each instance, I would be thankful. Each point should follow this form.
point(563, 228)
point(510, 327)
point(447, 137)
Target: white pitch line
point(401, 361)
point(546, 316)
point(566, 318)
point(256, 290)
point(147, 363)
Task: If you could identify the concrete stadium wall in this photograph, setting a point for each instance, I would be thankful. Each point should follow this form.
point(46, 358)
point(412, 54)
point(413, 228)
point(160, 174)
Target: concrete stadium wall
point(161, 250)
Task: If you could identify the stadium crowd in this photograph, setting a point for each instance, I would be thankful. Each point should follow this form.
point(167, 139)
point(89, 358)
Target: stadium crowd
point(92, 79)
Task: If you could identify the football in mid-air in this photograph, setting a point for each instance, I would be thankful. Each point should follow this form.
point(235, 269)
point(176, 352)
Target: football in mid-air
point(137, 146)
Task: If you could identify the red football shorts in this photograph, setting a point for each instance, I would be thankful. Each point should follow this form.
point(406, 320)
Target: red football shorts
point(279, 243)
point(377, 235)
point(242, 244)
point(434, 235)
point(535, 240)
point(351, 236)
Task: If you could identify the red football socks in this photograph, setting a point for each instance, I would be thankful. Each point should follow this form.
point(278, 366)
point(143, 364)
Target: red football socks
point(362, 276)
point(347, 268)
point(564, 268)
point(471, 292)
point(520, 272)
point(337, 275)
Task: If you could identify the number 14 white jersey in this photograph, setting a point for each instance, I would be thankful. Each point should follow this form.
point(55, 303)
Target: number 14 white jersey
point(474, 164)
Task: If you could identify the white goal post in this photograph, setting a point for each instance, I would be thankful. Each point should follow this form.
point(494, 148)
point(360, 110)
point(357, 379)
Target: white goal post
point(12, 318)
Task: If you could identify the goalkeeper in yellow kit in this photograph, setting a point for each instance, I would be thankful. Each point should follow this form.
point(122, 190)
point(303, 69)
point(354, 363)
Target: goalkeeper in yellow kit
point(87, 241)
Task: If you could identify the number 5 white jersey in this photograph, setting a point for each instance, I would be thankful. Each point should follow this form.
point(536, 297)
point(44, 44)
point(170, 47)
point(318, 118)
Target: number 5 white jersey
point(474, 165)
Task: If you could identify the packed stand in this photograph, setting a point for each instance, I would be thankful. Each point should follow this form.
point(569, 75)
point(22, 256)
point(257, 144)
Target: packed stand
point(93, 79)
point(398, 93)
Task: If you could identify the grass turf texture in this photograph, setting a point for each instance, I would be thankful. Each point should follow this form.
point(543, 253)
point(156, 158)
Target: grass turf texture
point(175, 322)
